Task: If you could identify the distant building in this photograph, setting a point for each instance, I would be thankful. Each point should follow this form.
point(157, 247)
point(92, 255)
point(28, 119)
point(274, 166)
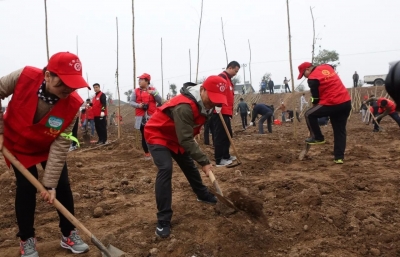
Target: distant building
point(239, 89)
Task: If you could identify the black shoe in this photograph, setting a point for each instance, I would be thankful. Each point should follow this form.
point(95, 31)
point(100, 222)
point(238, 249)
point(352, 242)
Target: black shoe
point(209, 198)
point(163, 228)
point(313, 141)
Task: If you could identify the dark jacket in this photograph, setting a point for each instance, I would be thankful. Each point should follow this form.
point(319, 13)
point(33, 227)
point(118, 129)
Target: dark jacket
point(242, 108)
point(270, 84)
point(260, 109)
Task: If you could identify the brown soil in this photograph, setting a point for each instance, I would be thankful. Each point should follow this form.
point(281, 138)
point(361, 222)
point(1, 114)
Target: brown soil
point(306, 208)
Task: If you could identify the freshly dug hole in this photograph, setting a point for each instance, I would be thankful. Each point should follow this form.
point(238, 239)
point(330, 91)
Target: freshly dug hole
point(246, 203)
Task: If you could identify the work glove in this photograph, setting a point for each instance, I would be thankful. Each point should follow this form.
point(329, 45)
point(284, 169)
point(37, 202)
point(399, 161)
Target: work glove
point(235, 113)
point(248, 112)
point(102, 114)
point(218, 109)
point(251, 124)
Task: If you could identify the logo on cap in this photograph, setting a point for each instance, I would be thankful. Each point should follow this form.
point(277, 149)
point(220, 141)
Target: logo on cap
point(77, 64)
point(221, 87)
point(325, 72)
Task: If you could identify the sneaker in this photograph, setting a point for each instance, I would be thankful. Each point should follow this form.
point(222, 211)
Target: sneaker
point(72, 148)
point(338, 161)
point(313, 141)
point(147, 156)
point(223, 163)
point(74, 243)
point(28, 248)
point(163, 228)
point(209, 198)
point(232, 158)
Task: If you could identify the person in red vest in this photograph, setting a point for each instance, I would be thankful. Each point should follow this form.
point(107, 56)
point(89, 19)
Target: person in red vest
point(144, 99)
point(329, 98)
point(385, 107)
point(90, 116)
point(37, 129)
point(100, 114)
point(221, 140)
point(170, 135)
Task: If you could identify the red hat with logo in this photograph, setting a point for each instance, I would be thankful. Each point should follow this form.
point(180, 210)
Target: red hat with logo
point(145, 76)
point(216, 89)
point(68, 68)
point(302, 68)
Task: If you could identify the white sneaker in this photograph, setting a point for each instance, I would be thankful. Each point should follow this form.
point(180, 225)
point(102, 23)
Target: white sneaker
point(232, 158)
point(223, 163)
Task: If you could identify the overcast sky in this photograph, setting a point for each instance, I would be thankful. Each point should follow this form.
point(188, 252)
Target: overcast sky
point(365, 33)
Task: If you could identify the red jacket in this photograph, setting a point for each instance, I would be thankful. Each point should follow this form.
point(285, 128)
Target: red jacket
point(331, 89)
point(230, 95)
point(160, 129)
point(390, 104)
point(89, 113)
point(144, 97)
point(30, 143)
point(97, 105)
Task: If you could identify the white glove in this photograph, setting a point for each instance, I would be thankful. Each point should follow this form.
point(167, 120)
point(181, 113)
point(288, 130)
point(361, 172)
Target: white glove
point(235, 113)
point(102, 114)
point(218, 109)
point(248, 112)
point(251, 124)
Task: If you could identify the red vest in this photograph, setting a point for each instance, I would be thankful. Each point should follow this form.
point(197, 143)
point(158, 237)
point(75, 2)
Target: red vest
point(160, 129)
point(144, 97)
point(89, 113)
point(390, 104)
point(230, 95)
point(83, 117)
point(331, 89)
point(30, 143)
point(97, 105)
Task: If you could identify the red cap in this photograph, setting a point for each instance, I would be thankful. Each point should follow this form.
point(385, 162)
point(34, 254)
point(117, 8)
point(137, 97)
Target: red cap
point(68, 68)
point(145, 76)
point(302, 68)
point(216, 89)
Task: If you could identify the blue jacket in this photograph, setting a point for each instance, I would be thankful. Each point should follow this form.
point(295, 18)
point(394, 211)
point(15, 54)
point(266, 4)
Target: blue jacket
point(260, 109)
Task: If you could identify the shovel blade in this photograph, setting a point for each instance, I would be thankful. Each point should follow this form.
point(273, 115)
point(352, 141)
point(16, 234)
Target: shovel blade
point(113, 252)
point(224, 200)
point(304, 152)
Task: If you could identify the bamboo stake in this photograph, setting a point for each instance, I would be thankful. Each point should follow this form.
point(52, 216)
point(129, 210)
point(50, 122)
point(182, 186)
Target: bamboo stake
point(291, 65)
point(313, 44)
point(251, 83)
point(119, 98)
point(47, 36)
point(133, 45)
point(223, 37)
point(87, 80)
point(198, 42)
point(162, 74)
point(190, 67)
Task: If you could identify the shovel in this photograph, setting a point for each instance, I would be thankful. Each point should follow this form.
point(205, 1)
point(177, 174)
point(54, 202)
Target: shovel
point(109, 251)
point(218, 193)
point(86, 137)
point(238, 162)
point(304, 152)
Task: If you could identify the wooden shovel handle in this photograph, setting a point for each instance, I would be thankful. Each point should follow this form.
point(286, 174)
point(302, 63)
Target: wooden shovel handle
point(214, 181)
point(229, 136)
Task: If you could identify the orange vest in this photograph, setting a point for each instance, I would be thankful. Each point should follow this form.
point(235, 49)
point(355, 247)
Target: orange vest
point(390, 104)
point(97, 105)
point(146, 98)
point(160, 129)
point(331, 89)
point(30, 143)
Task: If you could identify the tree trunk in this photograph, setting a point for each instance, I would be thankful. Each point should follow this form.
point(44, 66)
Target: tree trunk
point(47, 36)
point(133, 45)
point(119, 98)
point(190, 67)
point(313, 43)
point(198, 42)
point(251, 83)
point(223, 37)
point(162, 74)
point(291, 71)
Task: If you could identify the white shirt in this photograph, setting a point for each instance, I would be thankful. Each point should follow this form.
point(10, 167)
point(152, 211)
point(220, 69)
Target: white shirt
point(303, 100)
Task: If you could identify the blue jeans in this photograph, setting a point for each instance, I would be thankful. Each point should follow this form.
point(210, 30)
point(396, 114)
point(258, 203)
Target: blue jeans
point(91, 123)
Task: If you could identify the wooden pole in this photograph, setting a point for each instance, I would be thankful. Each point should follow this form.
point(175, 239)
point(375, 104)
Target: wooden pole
point(198, 42)
point(313, 43)
point(133, 45)
point(162, 74)
point(47, 36)
point(251, 83)
point(77, 52)
point(190, 66)
point(223, 37)
point(87, 80)
point(119, 98)
point(291, 68)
